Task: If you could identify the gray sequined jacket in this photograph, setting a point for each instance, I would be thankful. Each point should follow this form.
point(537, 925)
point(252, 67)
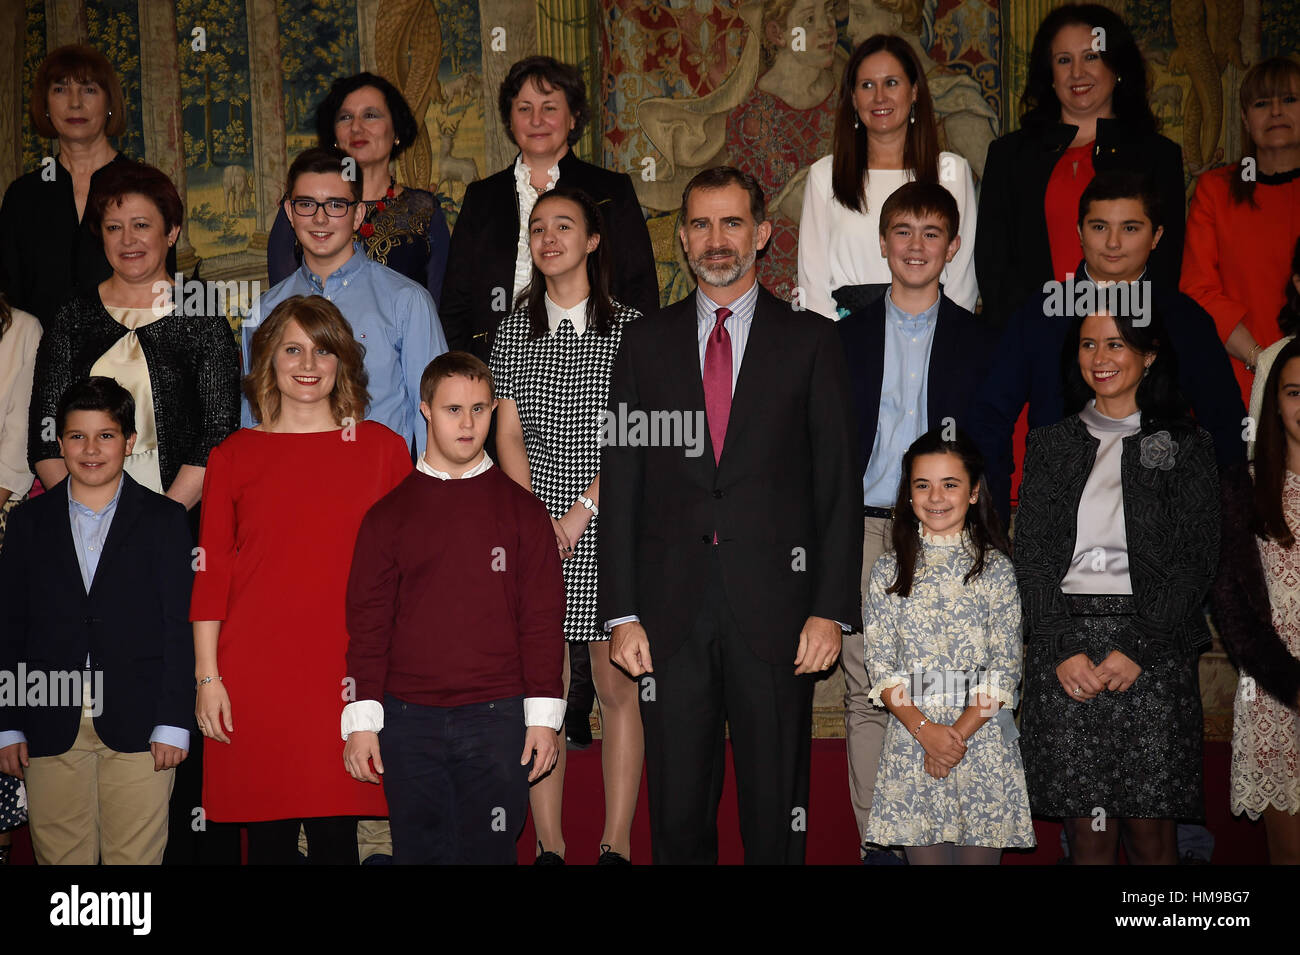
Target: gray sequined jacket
point(1171, 519)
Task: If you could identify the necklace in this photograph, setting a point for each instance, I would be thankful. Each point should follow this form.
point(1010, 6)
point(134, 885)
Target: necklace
point(377, 205)
point(389, 193)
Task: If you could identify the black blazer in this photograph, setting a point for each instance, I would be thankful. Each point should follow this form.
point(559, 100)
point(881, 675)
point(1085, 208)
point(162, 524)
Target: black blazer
point(785, 500)
point(1013, 257)
point(193, 371)
point(481, 261)
point(1171, 520)
point(134, 623)
point(957, 366)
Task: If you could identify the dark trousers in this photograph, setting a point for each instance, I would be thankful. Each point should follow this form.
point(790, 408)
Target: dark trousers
point(715, 680)
point(331, 840)
point(456, 791)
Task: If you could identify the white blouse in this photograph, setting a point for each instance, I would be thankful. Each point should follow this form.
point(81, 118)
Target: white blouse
point(838, 246)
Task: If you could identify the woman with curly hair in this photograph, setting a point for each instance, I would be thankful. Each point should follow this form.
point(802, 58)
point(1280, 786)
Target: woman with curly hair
point(282, 505)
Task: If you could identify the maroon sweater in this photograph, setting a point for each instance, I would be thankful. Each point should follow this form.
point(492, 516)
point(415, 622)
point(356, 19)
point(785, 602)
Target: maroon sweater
point(455, 594)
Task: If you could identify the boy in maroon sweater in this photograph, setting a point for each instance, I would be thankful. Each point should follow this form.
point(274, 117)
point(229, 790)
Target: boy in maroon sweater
point(455, 610)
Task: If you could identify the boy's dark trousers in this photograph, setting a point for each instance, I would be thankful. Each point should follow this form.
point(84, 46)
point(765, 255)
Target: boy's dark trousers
point(456, 791)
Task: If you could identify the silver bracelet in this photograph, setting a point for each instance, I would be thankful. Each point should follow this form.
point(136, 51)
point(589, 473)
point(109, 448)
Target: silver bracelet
point(917, 731)
point(208, 679)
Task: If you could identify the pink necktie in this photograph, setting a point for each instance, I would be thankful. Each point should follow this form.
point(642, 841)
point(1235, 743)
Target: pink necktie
point(717, 382)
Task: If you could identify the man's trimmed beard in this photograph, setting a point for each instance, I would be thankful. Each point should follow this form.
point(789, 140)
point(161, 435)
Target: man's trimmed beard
point(722, 276)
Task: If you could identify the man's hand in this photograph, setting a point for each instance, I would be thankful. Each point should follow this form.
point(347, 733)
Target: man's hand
point(1078, 679)
point(629, 648)
point(819, 646)
point(13, 759)
point(544, 742)
point(167, 757)
point(362, 747)
point(1117, 672)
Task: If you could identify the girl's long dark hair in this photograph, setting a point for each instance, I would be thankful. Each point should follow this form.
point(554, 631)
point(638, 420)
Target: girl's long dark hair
point(1158, 396)
point(1270, 456)
point(982, 521)
point(851, 160)
point(6, 315)
point(600, 307)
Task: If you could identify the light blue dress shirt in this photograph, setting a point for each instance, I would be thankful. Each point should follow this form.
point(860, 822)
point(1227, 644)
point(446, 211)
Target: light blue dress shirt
point(392, 316)
point(89, 532)
point(738, 325)
point(904, 390)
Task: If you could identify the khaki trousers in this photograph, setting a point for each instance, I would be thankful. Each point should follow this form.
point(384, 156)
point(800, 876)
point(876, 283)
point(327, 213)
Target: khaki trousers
point(864, 723)
point(93, 803)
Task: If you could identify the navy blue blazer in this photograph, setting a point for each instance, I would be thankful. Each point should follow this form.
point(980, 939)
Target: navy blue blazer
point(134, 623)
point(1026, 369)
point(957, 366)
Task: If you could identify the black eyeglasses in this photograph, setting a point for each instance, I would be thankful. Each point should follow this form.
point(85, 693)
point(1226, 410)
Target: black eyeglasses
point(334, 208)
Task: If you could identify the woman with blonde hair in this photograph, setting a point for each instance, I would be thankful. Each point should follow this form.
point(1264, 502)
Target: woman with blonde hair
point(282, 505)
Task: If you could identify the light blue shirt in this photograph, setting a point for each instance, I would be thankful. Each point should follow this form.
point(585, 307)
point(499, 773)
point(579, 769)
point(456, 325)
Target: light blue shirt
point(904, 390)
point(738, 325)
point(89, 532)
point(392, 316)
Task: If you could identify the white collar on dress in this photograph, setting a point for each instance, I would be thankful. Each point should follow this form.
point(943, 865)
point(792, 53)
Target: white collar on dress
point(577, 315)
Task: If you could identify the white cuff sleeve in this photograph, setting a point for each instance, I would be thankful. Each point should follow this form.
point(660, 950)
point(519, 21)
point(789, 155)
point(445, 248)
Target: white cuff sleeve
point(363, 716)
point(541, 711)
point(630, 618)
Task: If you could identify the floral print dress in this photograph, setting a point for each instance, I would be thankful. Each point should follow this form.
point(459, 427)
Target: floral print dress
point(943, 629)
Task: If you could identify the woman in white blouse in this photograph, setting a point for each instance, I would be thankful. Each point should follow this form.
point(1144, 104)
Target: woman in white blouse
point(20, 333)
point(885, 135)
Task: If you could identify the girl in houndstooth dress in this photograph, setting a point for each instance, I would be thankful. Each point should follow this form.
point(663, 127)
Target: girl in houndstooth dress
point(552, 362)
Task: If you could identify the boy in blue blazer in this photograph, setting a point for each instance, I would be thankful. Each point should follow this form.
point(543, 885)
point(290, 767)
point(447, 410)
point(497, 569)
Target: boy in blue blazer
point(95, 646)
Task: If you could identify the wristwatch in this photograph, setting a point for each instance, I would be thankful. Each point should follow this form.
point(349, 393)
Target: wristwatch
point(589, 504)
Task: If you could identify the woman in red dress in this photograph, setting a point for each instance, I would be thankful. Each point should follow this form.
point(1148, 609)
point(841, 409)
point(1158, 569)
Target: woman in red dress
point(282, 503)
point(1245, 219)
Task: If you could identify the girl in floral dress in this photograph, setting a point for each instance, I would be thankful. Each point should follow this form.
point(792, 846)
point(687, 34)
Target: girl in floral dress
point(943, 651)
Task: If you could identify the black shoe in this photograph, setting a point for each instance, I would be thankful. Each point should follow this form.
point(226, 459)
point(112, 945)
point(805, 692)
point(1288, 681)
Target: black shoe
point(547, 858)
point(877, 855)
point(577, 733)
point(609, 857)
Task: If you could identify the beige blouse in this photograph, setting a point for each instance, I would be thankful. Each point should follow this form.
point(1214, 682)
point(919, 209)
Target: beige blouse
point(17, 362)
point(125, 362)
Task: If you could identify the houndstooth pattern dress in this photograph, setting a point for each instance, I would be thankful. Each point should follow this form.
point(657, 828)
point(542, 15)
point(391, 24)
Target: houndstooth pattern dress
point(560, 384)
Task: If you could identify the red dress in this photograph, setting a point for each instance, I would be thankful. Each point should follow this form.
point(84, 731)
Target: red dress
point(1237, 256)
point(280, 520)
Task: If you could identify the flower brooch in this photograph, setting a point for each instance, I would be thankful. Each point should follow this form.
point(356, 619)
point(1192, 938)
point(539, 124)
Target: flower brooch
point(1159, 450)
